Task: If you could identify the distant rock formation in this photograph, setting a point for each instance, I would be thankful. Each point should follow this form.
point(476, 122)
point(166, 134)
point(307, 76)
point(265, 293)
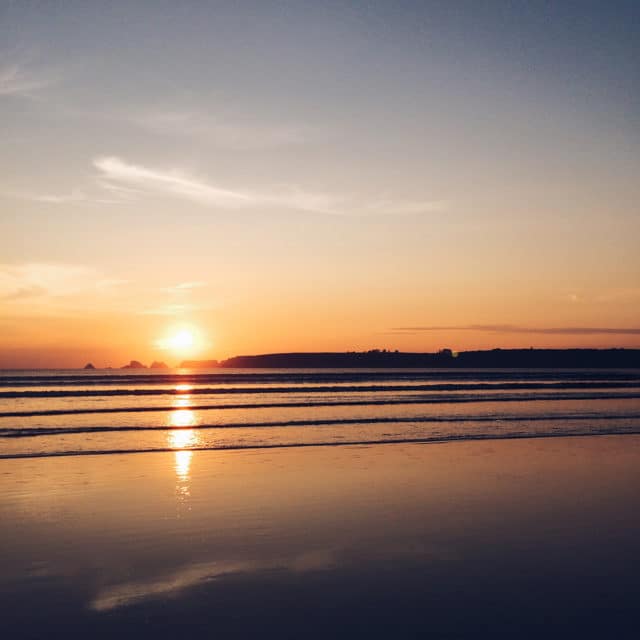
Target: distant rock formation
point(134, 364)
point(89, 366)
point(199, 364)
point(158, 365)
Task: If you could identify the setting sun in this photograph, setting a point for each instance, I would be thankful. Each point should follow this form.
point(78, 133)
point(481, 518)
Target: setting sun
point(184, 341)
point(181, 340)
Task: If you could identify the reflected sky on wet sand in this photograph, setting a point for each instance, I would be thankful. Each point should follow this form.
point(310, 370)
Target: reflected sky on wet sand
point(502, 537)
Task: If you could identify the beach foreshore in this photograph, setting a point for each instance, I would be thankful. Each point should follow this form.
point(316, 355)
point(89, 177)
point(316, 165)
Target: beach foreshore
point(464, 539)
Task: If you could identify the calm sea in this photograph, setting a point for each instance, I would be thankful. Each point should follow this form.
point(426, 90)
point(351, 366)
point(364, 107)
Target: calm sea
point(70, 412)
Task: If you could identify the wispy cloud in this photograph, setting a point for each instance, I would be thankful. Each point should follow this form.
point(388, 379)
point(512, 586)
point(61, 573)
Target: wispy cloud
point(73, 197)
point(177, 183)
point(23, 293)
point(113, 170)
point(116, 173)
point(509, 328)
point(119, 181)
point(16, 81)
point(22, 281)
point(185, 287)
point(29, 281)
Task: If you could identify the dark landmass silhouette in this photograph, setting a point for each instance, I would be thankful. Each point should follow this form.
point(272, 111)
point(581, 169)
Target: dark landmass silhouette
point(89, 365)
point(134, 364)
point(158, 365)
point(495, 358)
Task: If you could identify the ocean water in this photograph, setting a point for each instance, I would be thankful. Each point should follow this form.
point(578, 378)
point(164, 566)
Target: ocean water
point(262, 504)
point(71, 413)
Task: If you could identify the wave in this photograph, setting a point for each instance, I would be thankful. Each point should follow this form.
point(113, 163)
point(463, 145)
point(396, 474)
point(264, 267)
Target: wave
point(482, 386)
point(298, 445)
point(408, 400)
point(300, 376)
point(20, 432)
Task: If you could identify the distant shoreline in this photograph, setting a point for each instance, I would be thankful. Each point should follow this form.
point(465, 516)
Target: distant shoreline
point(495, 358)
point(614, 358)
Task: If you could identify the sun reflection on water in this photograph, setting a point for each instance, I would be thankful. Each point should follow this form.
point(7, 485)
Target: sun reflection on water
point(180, 418)
point(182, 439)
point(182, 464)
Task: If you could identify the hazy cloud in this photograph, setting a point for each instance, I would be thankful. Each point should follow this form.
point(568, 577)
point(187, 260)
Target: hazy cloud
point(108, 283)
point(509, 328)
point(217, 130)
point(75, 196)
point(399, 207)
point(185, 287)
point(623, 294)
point(169, 310)
point(15, 81)
point(36, 280)
point(21, 293)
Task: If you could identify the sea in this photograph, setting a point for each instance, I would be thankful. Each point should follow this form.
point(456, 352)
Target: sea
point(46, 413)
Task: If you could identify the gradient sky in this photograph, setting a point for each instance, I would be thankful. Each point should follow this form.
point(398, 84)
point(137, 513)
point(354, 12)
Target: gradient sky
point(281, 176)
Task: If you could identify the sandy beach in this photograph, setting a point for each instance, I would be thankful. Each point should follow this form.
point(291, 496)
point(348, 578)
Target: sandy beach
point(502, 538)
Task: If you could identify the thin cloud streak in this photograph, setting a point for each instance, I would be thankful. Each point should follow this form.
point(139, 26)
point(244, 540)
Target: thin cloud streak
point(74, 197)
point(508, 328)
point(182, 287)
point(172, 182)
point(119, 181)
point(116, 173)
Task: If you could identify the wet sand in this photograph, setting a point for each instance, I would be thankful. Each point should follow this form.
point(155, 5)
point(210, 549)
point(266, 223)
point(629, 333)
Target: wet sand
point(518, 538)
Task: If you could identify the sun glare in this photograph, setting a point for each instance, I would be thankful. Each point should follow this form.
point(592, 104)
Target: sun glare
point(182, 341)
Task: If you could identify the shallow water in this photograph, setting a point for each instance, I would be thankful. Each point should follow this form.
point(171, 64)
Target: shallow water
point(526, 538)
point(45, 413)
point(306, 503)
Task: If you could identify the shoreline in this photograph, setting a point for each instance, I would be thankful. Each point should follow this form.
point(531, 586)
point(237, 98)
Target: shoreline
point(308, 445)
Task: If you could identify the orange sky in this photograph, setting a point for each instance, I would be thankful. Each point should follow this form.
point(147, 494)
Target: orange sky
point(333, 179)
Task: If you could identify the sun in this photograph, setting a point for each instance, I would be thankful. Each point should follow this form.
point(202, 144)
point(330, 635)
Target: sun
point(181, 341)
point(184, 339)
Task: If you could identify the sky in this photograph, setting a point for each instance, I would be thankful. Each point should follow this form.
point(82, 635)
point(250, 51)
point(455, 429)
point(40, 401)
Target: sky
point(300, 176)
